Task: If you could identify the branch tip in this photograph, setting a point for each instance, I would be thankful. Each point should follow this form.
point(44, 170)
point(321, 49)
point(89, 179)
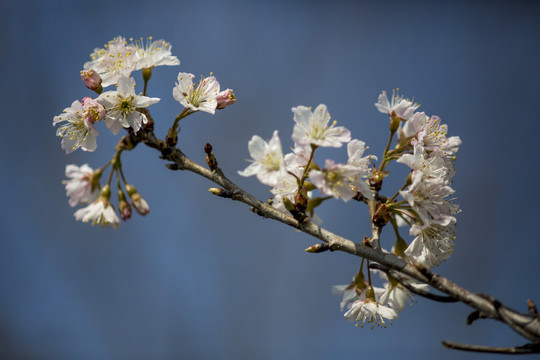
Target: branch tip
point(525, 349)
point(318, 248)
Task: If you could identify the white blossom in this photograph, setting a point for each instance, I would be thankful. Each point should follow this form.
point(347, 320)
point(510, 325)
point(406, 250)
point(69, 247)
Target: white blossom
point(371, 311)
point(79, 186)
point(397, 107)
point(430, 200)
point(153, 53)
point(431, 167)
point(355, 150)
point(267, 163)
point(79, 130)
point(121, 106)
point(433, 244)
point(100, 212)
point(396, 296)
point(429, 189)
point(201, 96)
point(114, 60)
point(334, 179)
point(313, 128)
point(430, 134)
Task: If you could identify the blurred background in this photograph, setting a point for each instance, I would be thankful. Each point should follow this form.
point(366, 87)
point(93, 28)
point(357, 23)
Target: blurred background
point(202, 277)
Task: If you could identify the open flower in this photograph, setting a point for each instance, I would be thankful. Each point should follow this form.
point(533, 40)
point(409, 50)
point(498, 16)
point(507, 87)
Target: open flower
point(268, 164)
point(432, 244)
point(78, 131)
point(114, 60)
point(429, 133)
point(370, 311)
point(82, 185)
point(313, 128)
point(398, 107)
point(100, 212)
point(355, 150)
point(201, 96)
point(153, 53)
point(121, 106)
point(334, 179)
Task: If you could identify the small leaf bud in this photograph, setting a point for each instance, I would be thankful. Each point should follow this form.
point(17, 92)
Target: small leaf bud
point(318, 248)
point(288, 204)
point(210, 158)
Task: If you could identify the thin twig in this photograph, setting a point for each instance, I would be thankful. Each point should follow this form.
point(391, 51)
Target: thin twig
point(525, 349)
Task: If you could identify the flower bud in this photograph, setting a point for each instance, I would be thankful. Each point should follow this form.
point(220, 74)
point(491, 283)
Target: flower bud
point(137, 201)
point(92, 80)
point(123, 206)
point(225, 98)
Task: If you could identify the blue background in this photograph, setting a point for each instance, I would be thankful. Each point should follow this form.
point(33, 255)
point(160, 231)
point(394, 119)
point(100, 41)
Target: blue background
point(203, 278)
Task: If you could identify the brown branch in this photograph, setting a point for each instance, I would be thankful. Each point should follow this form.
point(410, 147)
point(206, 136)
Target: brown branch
point(527, 325)
point(525, 349)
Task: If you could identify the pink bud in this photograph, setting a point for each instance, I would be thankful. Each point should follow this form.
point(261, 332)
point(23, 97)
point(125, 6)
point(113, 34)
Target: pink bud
point(92, 80)
point(139, 204)
point(93, 111)
point(225, 98)
point(123, 206)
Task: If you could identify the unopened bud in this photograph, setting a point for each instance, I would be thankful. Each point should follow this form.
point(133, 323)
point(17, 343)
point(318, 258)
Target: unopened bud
point(225, 98)
point(92, 80)
point(137, 201)
point(123, 206)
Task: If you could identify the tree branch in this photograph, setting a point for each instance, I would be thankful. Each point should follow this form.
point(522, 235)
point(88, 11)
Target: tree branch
point(525, 349)
point(527, 325)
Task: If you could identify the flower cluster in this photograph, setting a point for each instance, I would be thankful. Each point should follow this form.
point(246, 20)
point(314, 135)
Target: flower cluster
point(295, 174)
point(119, 109)
point(113, 65)
point(423, 146)
point(427, 206)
